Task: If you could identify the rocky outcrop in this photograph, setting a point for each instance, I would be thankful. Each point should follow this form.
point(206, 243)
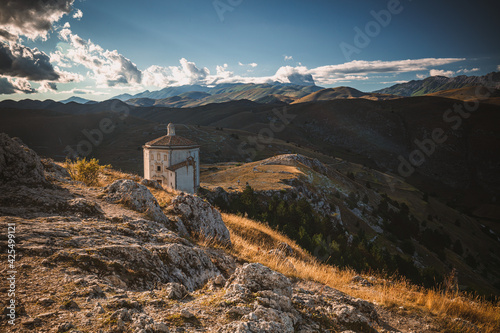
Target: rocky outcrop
point(263, 300)
point(201, 218)
point(54, 171)
point(293, 159)
point(19, 164)
point(136, 196)
point(151, 183)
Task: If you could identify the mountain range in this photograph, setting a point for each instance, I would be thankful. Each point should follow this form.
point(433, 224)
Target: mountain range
point(434, 84)
point(287, 93)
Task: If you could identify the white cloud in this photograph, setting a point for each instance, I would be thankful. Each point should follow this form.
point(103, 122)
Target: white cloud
point(46, 86)
point(394, 82)
point(324, 75)
point(252, 64)
point(186, 73)
point(498, 67)
point(78, 91)
point(78, 14)
point(421, 76)
point(109, 68)
point(465, 70)
point(288, 58)
point(441, 72)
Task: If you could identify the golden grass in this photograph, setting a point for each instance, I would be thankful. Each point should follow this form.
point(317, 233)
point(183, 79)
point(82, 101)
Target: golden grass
point(252, 240)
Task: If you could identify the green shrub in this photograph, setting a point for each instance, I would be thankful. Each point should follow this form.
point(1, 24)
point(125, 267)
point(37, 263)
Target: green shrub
point(85, 171)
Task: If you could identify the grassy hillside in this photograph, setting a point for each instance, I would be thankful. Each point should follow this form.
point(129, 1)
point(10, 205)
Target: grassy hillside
point(352, 216)
point(252, 241)
point(341, 93)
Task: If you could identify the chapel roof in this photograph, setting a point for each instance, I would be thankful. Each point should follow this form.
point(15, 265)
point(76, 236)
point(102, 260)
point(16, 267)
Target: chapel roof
point(171, 140)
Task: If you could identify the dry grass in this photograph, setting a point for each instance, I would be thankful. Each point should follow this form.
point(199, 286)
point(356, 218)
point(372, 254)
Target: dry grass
point(252, 240)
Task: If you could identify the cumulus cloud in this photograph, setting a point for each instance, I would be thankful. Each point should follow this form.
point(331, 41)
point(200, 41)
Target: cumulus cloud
point(441, 72)
point(4, 34)
point(78, 14)
point(20, 61)
point(32, 18)
point(46, 86)
point(186, 73)
point(288, 58)
point(351, 71)
point(498, 67)
point(109, 68)
point(11, 86)
point(421, 76)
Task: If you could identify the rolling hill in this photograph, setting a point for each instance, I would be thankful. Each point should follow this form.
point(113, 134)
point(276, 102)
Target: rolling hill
point(438, 83)
point(355, 200)
point(470, 94)
point(341, 93)
point(191, 96)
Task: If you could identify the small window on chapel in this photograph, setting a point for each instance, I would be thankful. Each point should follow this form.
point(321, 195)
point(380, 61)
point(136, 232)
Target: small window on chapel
point(158, 168)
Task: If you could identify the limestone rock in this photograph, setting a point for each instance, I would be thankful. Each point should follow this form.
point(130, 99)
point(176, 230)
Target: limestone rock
point(137, 197)
point(151, 183)
point(19, 164)
point(201, 218)
point(257, 277)
point(54, 171)
point(175, 290)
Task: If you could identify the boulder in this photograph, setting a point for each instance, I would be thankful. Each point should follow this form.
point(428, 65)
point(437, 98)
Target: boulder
point(151, 183)
point(136, 196)
point(19, 164)
point(257, 277)
point(175, 290)
point(54, 171)
point(201, 218)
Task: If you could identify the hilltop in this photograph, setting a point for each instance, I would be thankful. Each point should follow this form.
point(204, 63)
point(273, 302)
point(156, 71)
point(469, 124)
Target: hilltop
point(434, 84)
point(421, 238)
point(126, 255)
point(341, 93)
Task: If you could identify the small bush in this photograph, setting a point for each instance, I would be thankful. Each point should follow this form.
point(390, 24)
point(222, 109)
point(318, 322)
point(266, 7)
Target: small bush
point(85, 171)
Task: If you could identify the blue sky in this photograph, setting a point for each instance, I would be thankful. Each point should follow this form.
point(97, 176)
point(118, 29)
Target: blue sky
point(99, 49)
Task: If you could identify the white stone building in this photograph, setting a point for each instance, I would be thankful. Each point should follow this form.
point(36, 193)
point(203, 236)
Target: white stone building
point(173, 161)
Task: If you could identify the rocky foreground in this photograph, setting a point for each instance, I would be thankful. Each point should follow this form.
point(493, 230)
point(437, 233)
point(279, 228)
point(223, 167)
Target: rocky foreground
point(112, 259)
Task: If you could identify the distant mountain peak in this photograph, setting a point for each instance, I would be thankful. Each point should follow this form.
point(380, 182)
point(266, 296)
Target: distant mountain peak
point(76, 99)
point(434, 84)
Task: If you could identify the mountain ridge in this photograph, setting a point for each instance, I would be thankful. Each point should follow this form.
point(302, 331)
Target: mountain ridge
point(434, 84)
